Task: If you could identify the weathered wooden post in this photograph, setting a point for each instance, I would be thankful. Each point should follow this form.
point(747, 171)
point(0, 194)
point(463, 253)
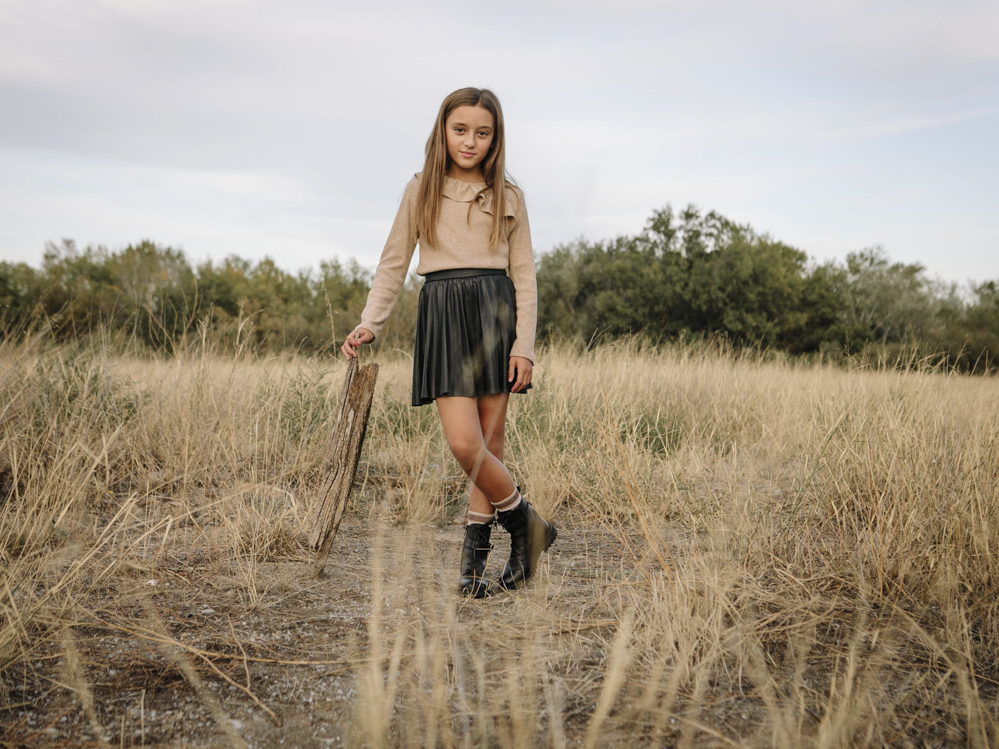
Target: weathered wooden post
point(346, 441)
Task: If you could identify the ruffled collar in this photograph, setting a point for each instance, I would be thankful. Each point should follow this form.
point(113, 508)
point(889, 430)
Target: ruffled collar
point(466, 192)
point(463, 192)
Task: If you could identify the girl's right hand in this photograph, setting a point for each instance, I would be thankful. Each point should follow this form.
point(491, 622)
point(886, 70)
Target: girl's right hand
point(355, 340)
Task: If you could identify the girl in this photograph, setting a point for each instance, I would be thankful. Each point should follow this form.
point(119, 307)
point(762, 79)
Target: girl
point(475, 324)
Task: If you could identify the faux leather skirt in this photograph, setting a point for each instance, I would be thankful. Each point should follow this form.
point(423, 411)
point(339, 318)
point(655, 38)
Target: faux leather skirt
point(466, 322)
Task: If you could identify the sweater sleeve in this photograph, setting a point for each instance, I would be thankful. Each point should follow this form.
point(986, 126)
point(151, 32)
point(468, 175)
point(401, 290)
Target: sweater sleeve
point(524, 281)
point(391, 271)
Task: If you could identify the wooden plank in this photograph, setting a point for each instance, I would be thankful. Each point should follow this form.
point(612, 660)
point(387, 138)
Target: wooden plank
point(345, 451)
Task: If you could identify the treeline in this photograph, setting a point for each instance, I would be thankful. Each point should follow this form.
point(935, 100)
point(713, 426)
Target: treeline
point(154, 295)
point(685, 274)
point(704, 274)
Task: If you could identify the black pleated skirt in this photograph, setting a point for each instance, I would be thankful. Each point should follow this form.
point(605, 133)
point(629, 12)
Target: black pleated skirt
point(466, 322)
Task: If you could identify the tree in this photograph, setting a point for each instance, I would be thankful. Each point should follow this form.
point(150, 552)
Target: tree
point(891, 300)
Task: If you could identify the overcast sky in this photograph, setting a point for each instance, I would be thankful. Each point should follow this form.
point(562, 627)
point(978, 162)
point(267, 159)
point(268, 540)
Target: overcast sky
point(289, 129)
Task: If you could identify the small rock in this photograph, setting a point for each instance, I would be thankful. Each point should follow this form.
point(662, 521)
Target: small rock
point(51, 732)
point(237, 724)
point(207, 612)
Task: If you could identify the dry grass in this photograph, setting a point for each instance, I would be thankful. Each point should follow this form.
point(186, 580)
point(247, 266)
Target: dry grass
point(752, 553)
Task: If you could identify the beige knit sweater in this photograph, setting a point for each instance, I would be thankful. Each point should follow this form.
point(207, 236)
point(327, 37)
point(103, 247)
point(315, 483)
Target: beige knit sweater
point(463, 242)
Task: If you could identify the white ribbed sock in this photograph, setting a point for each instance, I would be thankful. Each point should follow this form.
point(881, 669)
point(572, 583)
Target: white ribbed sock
point(479, 518)
point(509, 503)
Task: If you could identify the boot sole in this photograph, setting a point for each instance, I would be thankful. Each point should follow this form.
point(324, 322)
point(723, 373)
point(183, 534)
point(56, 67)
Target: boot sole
point(483, 592)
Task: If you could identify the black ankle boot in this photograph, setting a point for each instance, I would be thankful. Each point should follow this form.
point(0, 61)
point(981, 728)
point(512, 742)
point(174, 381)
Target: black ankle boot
point(474, 553)
point(530, 534)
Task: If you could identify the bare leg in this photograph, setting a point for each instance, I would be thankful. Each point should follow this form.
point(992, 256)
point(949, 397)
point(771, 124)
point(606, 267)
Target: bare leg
point(492, 418)
point(472, 427)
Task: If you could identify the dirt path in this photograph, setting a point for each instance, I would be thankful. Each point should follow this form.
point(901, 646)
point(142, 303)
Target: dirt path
point(193, 655)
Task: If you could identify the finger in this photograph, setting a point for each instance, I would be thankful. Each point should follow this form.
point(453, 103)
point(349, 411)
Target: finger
point(511, 371)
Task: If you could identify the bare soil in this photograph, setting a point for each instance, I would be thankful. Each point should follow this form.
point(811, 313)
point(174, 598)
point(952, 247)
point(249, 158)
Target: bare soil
point(172, 656)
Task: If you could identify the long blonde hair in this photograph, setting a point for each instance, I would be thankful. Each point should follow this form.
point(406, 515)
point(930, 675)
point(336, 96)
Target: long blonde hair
point(430, 197)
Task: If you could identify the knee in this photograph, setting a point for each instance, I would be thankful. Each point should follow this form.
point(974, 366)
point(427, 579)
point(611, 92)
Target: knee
point(466, 449)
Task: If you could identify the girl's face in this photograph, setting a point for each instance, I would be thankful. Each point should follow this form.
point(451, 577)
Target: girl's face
point(470, 133)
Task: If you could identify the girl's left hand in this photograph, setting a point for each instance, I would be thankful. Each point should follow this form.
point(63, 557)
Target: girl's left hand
point(521, 369)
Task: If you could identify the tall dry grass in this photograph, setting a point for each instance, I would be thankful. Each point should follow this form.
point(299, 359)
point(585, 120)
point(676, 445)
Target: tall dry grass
point(782, 555)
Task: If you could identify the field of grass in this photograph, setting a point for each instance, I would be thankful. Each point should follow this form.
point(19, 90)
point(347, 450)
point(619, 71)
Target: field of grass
point(751, 553)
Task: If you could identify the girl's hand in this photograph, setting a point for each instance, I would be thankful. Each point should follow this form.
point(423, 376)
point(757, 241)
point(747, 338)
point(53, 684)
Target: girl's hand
point(355, 340)
point(521, 369)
